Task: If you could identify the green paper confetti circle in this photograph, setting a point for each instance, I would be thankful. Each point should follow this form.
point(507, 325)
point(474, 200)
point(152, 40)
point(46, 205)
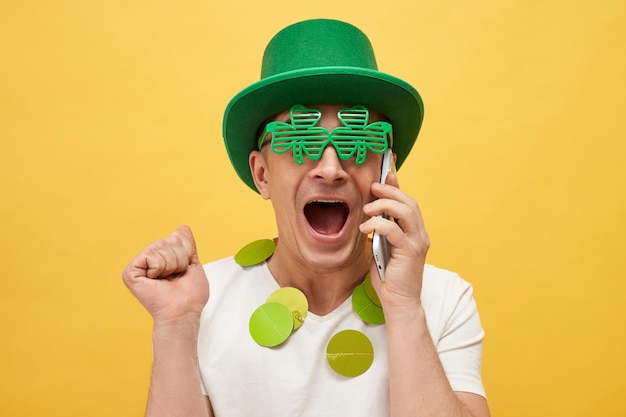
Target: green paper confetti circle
point(255, 252)
point(371, 292)
point(350, 353)
point(365, 308)
point(271, 324)
point(295, 300)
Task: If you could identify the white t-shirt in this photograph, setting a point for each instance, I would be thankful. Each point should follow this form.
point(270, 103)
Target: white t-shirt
point(245, 379)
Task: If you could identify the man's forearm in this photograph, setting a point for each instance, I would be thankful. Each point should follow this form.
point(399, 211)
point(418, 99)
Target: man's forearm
point(175, 384)
point(418, 383)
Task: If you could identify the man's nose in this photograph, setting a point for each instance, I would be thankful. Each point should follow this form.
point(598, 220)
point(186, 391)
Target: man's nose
point(329, 167)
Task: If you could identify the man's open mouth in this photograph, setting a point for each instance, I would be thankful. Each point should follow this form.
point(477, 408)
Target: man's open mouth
point(326, 217)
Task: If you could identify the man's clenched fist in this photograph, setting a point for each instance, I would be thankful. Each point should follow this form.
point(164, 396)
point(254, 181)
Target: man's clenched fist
point(168, 279)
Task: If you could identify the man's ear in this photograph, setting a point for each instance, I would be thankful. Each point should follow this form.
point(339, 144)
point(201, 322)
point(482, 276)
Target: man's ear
point(258, 168)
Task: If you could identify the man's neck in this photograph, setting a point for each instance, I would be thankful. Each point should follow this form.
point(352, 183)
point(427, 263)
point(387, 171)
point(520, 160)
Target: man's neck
point(325, 288)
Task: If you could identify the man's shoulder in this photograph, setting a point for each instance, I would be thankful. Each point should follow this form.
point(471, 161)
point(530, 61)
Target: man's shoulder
point(438, 281)
point(224, 263)
point(228, 271)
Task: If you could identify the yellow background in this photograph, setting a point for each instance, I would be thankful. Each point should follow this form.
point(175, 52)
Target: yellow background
point(110, 125)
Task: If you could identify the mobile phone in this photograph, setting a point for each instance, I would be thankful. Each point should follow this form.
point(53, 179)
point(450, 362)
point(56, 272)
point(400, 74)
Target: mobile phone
point(380, 246)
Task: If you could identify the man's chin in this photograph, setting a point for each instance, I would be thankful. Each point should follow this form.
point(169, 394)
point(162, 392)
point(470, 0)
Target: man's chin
point(334, 258)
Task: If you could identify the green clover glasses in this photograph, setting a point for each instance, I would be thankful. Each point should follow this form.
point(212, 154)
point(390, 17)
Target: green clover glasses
point(354, 138)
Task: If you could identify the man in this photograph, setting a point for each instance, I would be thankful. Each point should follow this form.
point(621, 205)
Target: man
point(304, 325)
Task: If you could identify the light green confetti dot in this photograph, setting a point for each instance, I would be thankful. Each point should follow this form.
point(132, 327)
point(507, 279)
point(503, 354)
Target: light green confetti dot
point(271, 324)
point(295, 300)
point(256, 252)
point(350, 353)
point(365, 308)
point(371, 292)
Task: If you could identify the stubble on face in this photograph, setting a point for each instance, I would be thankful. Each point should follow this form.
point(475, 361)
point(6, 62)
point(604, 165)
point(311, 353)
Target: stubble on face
point(296, 199)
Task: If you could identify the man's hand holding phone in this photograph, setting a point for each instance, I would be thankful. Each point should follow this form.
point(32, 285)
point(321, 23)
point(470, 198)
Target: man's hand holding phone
point(398, 228)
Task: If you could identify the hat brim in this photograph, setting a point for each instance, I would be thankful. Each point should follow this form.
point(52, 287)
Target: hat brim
point(391, 96)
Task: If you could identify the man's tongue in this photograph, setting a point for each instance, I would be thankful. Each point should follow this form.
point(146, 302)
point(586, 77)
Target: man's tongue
point(326, 218)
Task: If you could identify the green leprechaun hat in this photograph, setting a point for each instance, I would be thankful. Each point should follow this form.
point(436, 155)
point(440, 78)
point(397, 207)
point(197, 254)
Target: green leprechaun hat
point(319, 61)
